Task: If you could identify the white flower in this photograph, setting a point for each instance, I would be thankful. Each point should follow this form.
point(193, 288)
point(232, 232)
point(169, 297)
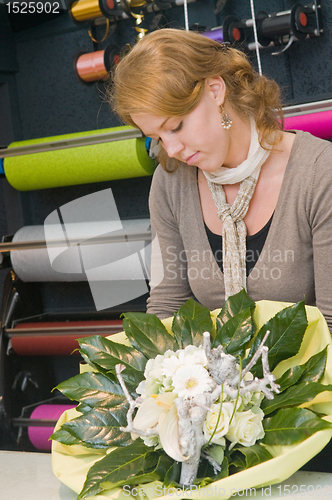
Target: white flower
point(153, 377)
point(194, 355)
point(171, 365)
point(210, 425)
point(190, 355)
point(191, 380)
point(159, 413)
point(246, 427)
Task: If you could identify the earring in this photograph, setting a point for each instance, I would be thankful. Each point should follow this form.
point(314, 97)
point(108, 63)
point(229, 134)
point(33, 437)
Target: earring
point(225, 119)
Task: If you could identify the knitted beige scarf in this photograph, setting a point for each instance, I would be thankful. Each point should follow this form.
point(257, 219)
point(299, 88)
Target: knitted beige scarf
point(234, 230)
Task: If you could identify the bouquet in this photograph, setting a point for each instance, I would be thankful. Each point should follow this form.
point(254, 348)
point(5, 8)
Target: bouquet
point(194, 404)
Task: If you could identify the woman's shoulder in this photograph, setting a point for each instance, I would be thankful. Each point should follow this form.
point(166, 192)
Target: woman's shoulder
point(310, 146)
point(176, 179)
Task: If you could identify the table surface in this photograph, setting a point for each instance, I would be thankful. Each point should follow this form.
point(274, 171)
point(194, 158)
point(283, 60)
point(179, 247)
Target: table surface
point(29, 476)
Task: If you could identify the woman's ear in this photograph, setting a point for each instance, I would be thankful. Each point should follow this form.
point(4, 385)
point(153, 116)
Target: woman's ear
point(217, 86)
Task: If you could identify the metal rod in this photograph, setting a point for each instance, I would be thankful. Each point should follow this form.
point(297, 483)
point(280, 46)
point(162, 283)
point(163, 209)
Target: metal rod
point(33, 422)
point(38, 244)
point(75, 142)
point(63, 330)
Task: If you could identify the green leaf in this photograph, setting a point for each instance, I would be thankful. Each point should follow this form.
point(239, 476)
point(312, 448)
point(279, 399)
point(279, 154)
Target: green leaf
point(290, 377)
point(235, 305)
point(190, 322)
point(119, 467)
point(172, 476)
point(292, 425)
point(217, 453)
point(147, 334)
point(314, 368)
point(107, 354)
point(65, 437)
point(92, 389)
point(254, 455)
point(311, 371)
point(294, 396)
point(100, 428)
point(236, 333)
point(151, 472)
point(287, 329)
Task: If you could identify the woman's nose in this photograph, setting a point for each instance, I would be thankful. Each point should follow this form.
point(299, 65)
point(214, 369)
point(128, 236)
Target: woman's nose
point(173, 146)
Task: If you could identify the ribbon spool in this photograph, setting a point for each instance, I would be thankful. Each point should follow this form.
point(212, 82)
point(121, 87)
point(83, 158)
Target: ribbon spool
point(84, 10)
point(292, 22)
point(93, 66)
point(39, 436)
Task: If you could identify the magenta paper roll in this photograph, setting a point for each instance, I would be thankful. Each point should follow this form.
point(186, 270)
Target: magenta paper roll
point(39, 436)
point(318, 124)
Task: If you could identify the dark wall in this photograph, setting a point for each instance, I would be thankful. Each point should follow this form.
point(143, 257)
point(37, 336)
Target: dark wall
point(40, 95)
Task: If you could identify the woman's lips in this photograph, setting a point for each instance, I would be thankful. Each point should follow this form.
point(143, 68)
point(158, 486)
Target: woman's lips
point(191, 159)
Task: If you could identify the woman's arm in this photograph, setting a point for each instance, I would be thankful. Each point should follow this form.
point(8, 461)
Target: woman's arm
point(169, 282)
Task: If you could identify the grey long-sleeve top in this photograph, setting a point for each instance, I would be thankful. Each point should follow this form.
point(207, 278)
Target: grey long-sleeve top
point(295, 262)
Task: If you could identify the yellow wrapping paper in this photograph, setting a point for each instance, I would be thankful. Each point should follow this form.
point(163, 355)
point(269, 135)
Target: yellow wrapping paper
point(71, 463)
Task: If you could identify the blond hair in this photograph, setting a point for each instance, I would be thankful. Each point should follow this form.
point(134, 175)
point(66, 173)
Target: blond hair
point(164, 75)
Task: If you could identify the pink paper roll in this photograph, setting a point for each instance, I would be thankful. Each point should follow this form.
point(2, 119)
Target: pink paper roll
point(39, 436)
point(318, 124)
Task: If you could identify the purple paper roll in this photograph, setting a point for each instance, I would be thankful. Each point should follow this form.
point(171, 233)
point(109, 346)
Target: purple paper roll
point(318, 124)
point(39, 436)
point(216, 35)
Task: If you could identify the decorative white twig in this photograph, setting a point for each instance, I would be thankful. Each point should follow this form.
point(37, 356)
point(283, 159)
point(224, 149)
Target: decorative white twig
point(133, 403)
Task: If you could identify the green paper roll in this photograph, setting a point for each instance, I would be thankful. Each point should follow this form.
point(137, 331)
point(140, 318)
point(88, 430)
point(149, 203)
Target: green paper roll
point(121, 159)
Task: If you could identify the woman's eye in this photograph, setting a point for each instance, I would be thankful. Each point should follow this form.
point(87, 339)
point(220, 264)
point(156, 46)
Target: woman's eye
point(178, 128)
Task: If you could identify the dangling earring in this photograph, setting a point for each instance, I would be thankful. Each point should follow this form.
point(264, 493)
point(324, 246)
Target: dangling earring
point(225, 119)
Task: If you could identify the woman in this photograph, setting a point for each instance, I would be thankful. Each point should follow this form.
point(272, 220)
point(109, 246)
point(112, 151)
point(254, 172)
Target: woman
point(236, 202)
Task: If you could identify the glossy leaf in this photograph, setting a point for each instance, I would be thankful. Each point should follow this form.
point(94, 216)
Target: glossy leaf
point(292, 425)
point(311, 371)
point(100, 428)
point(147, 334)
point(290, 377)
point(254, 455)
point(147, 475)
point(294, 396)
point(190, 322)
point(172, 476)
point(65, 437)
point(92, 389)
point(287, 329)
point(315, 367)
point(119, 467)
point(107, 354)
point(236, 333)
point(235, 305)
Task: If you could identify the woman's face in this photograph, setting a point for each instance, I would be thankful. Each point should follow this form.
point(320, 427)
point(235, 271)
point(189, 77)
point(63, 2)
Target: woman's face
point(197, 138)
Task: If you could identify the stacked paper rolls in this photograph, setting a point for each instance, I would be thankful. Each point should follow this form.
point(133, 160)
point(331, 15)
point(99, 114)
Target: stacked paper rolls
point(106, 161)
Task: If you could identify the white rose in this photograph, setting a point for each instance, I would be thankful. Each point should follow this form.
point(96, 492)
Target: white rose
point(246, 428)
point(223, 425)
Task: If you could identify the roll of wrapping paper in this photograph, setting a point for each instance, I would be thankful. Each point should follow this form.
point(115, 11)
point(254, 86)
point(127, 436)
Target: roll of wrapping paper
point(318, 124)
point(70, 262)
point(40, 436)
point(58, 338)
point(105, 161)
